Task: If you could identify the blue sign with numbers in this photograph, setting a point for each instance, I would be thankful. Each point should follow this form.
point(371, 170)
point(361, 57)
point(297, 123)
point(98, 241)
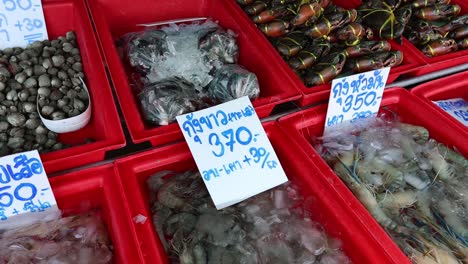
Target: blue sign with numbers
point(21, 23)
point(24, 187)
point(457, 108)
point(232, 151)
point(355, 97)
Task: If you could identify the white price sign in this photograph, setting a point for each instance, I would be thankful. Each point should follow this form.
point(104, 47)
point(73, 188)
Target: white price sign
point(355, 97)
point(232, 151)
point(457, 108)
point(25, 192)
point(21, 23)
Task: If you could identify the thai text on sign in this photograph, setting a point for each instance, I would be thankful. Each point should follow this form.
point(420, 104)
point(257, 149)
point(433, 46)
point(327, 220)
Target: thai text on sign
point(457, 108)
point(21, 23)
point(24, 187)
point(232, 151)
point(355, 97)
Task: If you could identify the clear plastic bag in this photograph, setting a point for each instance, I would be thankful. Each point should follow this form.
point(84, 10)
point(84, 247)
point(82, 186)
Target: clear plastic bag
point(179, 68)
point(171, 51)
point(233, 81)
point(142, 48)
point(161, 102)
point(220, 47)
point(73, 239)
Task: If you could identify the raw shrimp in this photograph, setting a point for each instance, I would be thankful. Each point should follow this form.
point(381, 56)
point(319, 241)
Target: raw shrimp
point(452, 156)
point(440, 166)
point(263, 229)
point(167, 195)
point(418, 133)
point(364, 195)
point(199, 254)
point(397, 200)
point(414, 187)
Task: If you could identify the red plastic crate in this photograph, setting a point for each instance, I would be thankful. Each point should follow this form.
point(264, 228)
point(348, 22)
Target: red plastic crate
point(454, 86)
point(97, 189)
point(113, 19)
point(104, 127)
point(303, 126)
point(321, 92)
point(334, 214)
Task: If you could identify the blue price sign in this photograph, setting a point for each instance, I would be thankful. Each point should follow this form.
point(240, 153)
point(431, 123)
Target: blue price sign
point(355, 97)
point(232, 151)
point(24, 187)
point(457, 108)
point(21, 23)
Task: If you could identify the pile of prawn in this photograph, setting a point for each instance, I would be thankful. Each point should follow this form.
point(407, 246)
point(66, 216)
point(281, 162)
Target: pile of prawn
point(415, 187)
point(272, 227)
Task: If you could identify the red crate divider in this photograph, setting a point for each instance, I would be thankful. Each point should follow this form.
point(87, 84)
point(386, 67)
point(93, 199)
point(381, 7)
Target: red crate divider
point(334, 214)
point(97, 188)
point(304, 126)
point(104, 127)
point(113, 19)
point(321, 92)
point(454, 86)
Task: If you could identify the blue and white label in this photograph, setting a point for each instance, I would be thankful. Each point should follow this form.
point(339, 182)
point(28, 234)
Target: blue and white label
point(232, 151)
point(355, 97)
point(457, 108)
point(21, 23)
point(24, 187)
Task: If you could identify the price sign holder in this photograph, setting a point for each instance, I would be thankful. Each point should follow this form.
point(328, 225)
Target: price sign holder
point(232, 151)
point(21, 23)
point(457, 108)
point(25, 192)
point(355, 97)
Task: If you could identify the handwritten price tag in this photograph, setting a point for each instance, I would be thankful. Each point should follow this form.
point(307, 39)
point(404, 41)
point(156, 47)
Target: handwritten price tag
point(457, 108)
point(355, 97)
point(21, 23)
point(24, 188)
point(232, 151)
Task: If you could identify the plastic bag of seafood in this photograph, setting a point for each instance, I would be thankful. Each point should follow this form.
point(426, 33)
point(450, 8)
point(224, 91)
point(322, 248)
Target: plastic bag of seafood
point(188, 51)
point(200, 54)
point(272, 227)
point(414, 187)
point(233, 81)
point(161, 102)
point(72, 239)
point(143, 47)
point(220, 47)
